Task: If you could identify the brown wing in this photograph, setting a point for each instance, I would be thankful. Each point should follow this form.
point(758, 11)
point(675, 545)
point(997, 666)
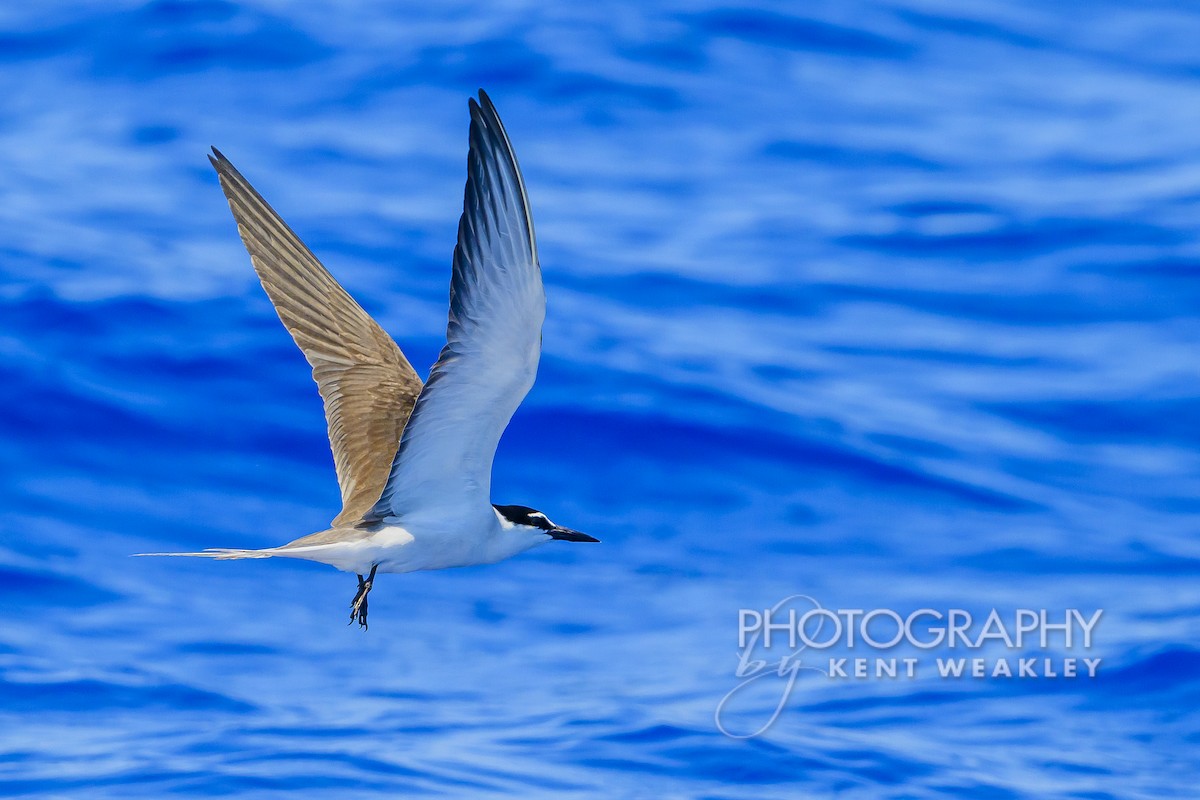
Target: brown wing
point(366, 382)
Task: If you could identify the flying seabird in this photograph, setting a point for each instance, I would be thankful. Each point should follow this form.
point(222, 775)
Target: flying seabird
point(413, 460)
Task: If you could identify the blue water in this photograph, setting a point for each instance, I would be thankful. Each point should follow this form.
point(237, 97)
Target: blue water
point(892, 304)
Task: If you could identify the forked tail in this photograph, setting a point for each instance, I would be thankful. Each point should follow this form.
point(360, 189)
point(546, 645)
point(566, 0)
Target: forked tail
point(219, 553)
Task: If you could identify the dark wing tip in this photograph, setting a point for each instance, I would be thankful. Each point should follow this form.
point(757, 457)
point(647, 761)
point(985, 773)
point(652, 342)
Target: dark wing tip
point(485, 111)
point(230, 177)
point(487, 133)
point(220, 163)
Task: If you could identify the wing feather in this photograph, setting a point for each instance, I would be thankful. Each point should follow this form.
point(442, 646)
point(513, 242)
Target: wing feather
point(493, 338)
point(367, 384)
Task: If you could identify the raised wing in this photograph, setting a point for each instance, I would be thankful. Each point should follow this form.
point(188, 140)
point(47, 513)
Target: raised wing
point(368, 386)
point(493, 339)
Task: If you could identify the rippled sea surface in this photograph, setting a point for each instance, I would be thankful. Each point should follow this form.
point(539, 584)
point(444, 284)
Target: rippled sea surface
point(891, 304)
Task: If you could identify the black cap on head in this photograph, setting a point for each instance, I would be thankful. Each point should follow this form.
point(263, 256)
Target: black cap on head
point(531, 517)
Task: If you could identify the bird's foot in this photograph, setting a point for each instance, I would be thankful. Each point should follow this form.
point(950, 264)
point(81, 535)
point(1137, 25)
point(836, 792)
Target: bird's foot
point(358, 606)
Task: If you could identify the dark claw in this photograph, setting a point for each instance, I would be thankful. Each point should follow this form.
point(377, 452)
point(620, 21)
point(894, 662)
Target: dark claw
point(358, 606)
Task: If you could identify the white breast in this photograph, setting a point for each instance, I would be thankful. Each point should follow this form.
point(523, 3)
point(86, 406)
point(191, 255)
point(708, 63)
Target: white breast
point(418, 543)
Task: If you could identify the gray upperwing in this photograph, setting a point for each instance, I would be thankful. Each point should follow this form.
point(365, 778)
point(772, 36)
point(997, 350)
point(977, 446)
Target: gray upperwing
point(368, 386)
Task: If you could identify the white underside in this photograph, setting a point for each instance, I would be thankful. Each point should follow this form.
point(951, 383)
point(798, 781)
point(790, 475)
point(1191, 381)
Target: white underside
point(417, 545)
point(391, 549)
point(394, 548)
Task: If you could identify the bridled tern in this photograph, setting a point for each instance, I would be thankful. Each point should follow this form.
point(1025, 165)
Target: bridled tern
point(413, 460)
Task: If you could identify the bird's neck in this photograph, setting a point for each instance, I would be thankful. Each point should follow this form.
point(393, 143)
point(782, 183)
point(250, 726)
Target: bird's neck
point(507, 540)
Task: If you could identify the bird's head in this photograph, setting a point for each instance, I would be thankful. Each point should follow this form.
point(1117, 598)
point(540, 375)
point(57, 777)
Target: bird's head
point(535, 521)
